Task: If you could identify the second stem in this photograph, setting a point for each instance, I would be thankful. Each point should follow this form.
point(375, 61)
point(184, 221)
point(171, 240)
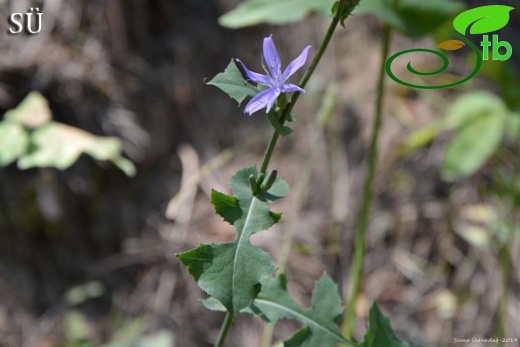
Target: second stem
point(368, 193)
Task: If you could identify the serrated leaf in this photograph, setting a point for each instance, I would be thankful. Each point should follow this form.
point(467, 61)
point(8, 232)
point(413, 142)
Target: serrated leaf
point(451, 45)
point(483, 19)
point(226, 206)
point(254, 12)
point(59, 145)
point(232, 272)
point(233, 83)
point(380, 333)
point(14, 142)
point(32, 112)
point(274, 302)
point(476, 140)
point(414, 18)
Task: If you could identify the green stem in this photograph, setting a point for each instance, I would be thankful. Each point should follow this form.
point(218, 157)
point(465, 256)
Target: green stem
point(268, 331)
point(505, 262)
point(305, 79)
point(368, 192)
point(228, 321)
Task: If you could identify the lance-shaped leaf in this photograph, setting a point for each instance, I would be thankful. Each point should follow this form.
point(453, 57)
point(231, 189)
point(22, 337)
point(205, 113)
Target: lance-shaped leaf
point(483, 19)
point(232, 272)
point(274, 302)
point(380, 333)
point(233, 84)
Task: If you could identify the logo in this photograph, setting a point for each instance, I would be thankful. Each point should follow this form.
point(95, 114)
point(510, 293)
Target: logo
point(31, 22)
point(480, 21)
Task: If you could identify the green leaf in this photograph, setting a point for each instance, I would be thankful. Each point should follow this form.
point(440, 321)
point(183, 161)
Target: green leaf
point(483, 19)
point(14, 142)
point(299, 338)
point(59, 145)
point(476, 140)
point(380, 333)
point(32, 112)
point(254, 12)
point(414, 18)
point(226, 206)
point(275, 303)
point(232, 272)
point(233, 84)
point(280, 129)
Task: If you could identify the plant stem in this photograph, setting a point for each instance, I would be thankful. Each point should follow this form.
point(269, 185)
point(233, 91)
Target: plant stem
point(505, 262)
point(368, 192)
point(228, 321)
point(306, 77)
point(268, 331)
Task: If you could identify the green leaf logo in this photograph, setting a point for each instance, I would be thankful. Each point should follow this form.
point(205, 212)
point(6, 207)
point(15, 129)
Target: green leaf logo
point(482, 19)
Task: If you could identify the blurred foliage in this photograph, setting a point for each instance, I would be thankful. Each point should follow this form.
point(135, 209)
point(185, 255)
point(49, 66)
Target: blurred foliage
point(28, 134)
point(479, 120)
point(78, 332)
point(414, 18)
point(252, 12)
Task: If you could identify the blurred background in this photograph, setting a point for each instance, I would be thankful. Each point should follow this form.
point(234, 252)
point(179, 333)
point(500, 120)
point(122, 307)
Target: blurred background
point(87, 248)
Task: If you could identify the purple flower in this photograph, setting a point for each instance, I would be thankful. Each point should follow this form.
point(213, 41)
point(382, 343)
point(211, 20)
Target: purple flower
point(274, 79)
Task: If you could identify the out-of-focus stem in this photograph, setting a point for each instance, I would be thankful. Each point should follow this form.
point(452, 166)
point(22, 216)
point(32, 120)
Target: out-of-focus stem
point(368, 192)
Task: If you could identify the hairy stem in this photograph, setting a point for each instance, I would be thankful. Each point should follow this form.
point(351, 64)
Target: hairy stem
point(228, 321)
point(368, 192)
point(305, 79)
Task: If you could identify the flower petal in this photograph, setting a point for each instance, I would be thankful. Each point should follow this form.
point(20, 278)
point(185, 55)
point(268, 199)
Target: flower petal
point(296, 64)
point(253, 76)
point(271, 57)
point(263, 99)
point(286, 88)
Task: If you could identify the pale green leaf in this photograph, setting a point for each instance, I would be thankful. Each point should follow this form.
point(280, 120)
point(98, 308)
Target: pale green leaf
point(59, 145)
point(232, 272)
point(14, 142)
point(32, 112)
point(476, 140)
point(470, 107)
point(233, 84)
point(124, 165)
point(419, 139)
point(159, 339)
point(254, 12)
point(483, 19)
